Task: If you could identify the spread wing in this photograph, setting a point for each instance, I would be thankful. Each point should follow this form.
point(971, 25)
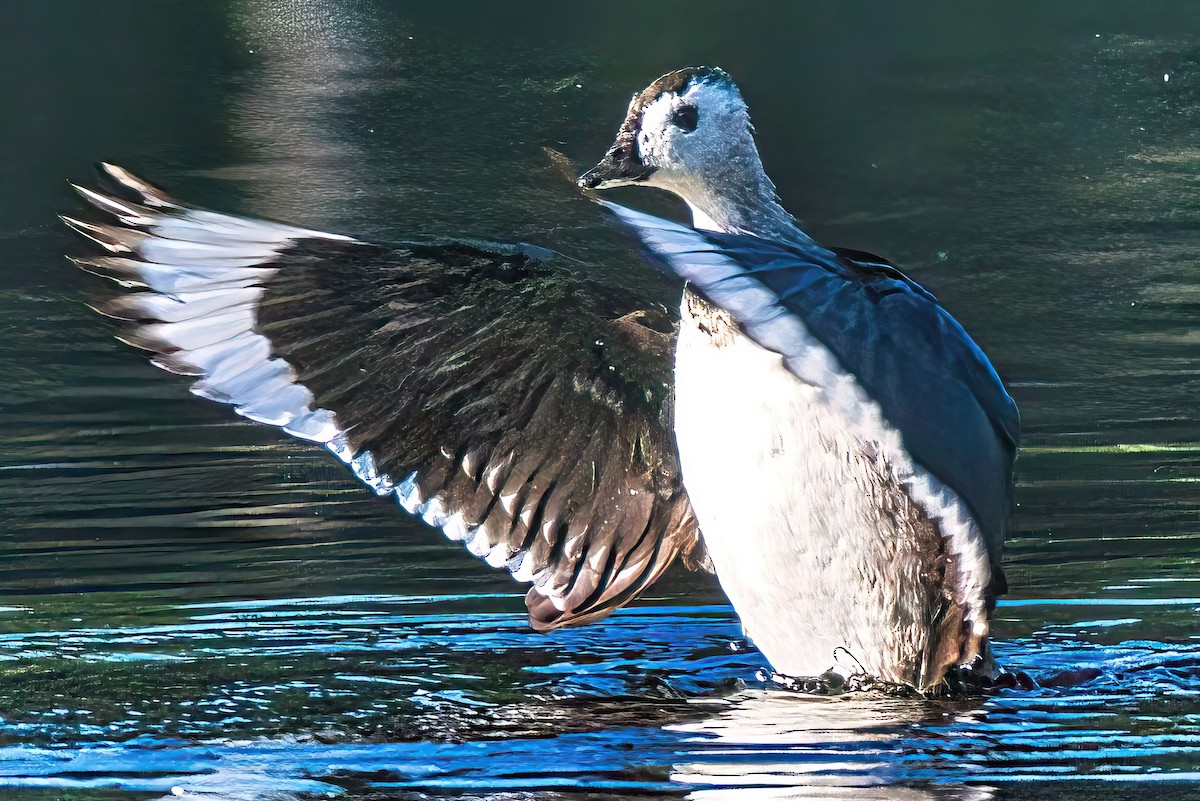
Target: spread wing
point(501, 399)
point(931, 381)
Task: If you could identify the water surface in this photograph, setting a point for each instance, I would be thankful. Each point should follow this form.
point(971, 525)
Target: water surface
point(195, 604)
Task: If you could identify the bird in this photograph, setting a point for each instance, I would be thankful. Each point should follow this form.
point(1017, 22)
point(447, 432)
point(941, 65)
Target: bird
point(812, 426)
point(847, 447)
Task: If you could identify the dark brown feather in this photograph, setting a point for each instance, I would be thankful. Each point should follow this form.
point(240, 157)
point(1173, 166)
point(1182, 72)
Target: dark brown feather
point(531, 409)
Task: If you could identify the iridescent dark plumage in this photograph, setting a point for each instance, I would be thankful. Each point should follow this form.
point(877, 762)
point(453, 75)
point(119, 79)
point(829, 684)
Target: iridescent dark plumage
point(521, 410)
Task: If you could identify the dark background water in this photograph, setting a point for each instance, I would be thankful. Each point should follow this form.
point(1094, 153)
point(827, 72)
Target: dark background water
point(194, 602)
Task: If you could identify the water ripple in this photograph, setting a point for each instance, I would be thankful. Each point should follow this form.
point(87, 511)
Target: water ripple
point(377, 693)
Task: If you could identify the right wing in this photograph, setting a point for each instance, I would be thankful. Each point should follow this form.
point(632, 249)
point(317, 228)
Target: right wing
point(907, 355)
point(499, 398)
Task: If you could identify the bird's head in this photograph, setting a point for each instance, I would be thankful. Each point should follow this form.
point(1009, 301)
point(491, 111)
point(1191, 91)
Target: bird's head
point(687, 133)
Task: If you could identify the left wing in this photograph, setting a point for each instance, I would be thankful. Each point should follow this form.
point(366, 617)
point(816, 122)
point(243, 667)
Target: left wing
point(502, 399)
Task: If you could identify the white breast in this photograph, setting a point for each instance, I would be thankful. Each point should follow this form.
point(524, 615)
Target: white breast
point(823, 533)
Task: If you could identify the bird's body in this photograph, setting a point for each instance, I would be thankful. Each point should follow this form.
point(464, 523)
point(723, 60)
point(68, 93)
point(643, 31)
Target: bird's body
point(839, 445)
point(777, 488)
point(846, 446)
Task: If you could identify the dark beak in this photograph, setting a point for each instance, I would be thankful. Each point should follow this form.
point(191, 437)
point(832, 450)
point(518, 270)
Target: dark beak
point(620, 165)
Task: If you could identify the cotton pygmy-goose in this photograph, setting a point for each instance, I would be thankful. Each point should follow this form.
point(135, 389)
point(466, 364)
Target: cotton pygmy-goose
point(846, 446)
point(847, 449)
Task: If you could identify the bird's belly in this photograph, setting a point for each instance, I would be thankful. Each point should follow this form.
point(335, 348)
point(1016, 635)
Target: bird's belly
point(822, 552)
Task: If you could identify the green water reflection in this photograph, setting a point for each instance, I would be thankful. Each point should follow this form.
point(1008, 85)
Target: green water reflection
point(1035, 165)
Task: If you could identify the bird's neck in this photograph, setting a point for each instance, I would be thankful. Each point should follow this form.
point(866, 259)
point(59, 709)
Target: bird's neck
point(739, 198)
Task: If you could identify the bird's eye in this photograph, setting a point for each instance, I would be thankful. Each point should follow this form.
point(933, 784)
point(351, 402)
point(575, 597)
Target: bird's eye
point(686, 118)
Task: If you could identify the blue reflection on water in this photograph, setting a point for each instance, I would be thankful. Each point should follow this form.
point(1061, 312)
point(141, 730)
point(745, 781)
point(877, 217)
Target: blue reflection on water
point(360, 694)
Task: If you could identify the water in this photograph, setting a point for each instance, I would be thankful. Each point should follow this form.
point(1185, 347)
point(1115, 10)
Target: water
point(194, 604)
